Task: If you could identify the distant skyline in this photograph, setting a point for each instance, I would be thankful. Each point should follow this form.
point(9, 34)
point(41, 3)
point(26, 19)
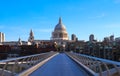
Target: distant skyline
point(81, 17)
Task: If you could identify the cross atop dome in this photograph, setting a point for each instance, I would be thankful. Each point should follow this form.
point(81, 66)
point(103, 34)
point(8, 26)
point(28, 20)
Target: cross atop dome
point(60, 20)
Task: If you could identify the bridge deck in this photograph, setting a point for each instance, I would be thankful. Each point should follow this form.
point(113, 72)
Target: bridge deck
point(60, 65)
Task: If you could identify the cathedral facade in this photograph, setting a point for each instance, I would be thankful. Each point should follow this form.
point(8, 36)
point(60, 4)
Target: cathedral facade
point(59, 36)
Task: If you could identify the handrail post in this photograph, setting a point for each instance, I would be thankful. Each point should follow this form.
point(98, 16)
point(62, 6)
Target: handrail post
point(108, 71)
point(100, 69)
point(117, 69)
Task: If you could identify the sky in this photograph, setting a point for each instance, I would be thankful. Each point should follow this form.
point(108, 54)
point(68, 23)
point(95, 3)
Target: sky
point(80, 17)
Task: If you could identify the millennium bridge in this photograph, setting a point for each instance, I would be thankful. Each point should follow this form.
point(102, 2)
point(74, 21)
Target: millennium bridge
point(59, 64)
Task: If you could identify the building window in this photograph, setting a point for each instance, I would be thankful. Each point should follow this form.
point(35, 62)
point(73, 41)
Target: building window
point(65, 35)
point(60, 35)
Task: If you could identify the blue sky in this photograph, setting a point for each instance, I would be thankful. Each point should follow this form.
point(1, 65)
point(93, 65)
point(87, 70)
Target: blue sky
point(81, 17)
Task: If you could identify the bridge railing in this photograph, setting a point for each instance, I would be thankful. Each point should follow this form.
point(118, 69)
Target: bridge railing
point(11, 67)
point(97, 66)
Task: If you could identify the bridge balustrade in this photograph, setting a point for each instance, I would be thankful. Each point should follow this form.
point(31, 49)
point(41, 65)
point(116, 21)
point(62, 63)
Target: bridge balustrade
point(14, 66)
point(96, 66)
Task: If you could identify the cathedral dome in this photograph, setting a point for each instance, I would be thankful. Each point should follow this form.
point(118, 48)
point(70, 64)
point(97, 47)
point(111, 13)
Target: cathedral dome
point(59, 32)
point(60, 26)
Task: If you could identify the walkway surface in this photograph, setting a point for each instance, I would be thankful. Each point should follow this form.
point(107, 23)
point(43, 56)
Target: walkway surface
point(60, 65)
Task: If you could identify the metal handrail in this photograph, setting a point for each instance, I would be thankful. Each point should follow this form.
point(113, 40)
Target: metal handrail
point(22, 63)
point(12, 59)
point(98, 65)
point(101, 59)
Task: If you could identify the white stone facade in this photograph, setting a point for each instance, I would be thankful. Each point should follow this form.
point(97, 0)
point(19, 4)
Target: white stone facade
point(2, 37)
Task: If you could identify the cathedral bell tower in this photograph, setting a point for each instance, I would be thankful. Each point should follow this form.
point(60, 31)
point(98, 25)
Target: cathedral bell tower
point(31, 36)
point(19, 42)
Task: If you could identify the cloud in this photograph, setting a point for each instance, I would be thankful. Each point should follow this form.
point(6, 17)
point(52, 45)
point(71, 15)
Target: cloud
point(43, 30)
point(19, 29)
point(14, 32)
point(113, 26)
point(98, 16)
point(116, 1)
